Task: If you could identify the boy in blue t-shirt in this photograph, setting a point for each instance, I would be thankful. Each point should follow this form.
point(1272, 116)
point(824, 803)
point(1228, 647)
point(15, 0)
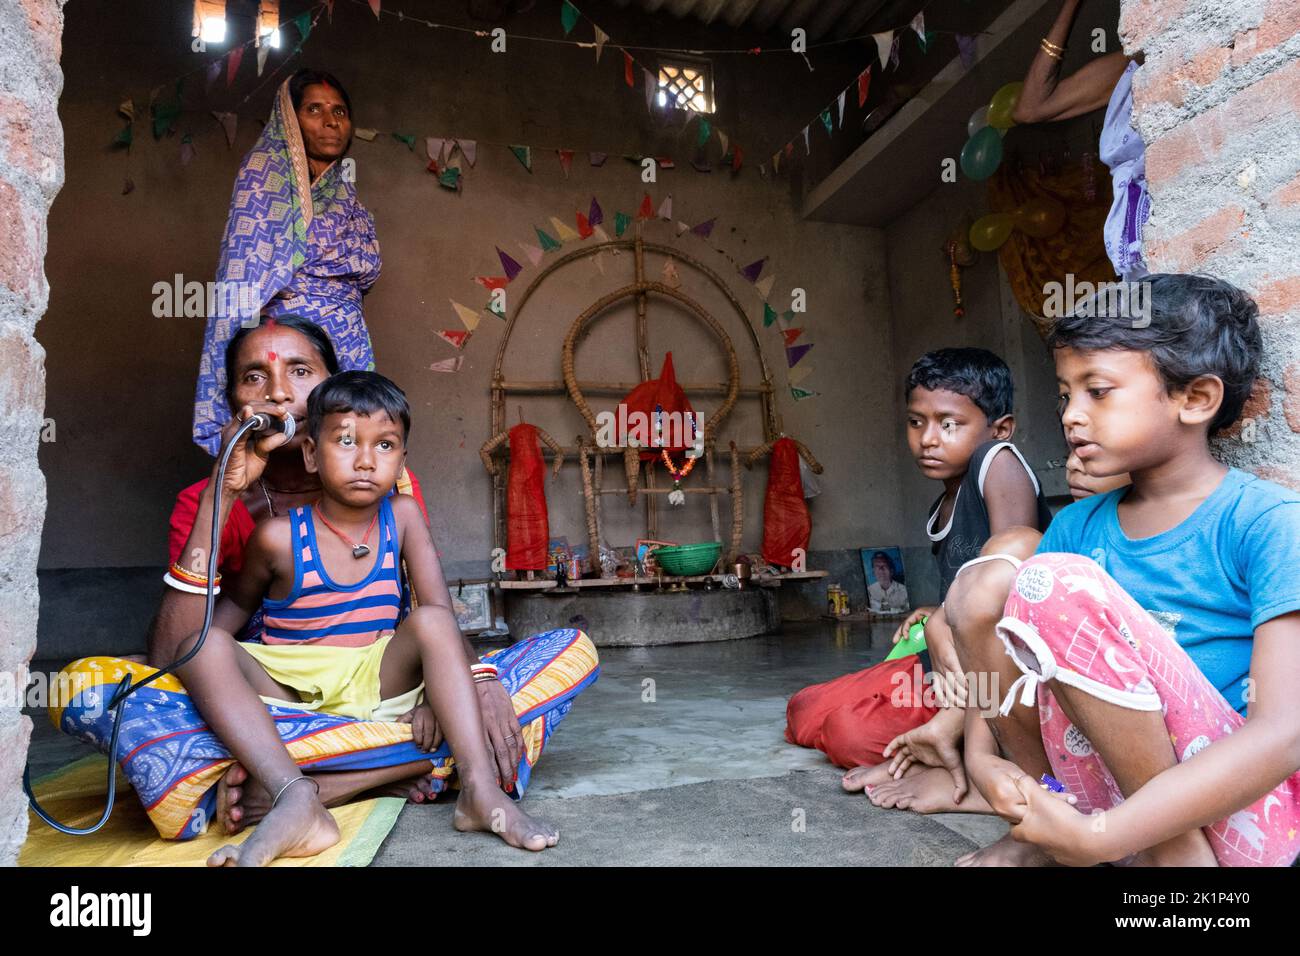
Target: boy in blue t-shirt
point(1156, 623)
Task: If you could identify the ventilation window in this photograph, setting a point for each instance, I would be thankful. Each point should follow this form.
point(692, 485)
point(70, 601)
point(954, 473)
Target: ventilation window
point(268, 23)
point(210, 21)
point(686, 85)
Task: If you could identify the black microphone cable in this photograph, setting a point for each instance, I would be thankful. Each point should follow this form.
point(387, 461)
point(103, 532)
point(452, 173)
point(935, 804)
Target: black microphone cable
point(125, 689)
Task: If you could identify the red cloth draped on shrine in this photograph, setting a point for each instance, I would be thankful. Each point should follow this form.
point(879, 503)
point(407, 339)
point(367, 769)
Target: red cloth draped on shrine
point(528, 533)
point(786, 524)
point(662, 393)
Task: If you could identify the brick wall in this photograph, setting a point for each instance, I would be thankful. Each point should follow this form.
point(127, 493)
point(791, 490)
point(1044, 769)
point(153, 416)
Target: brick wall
point(1218, 103)
point(31, 172)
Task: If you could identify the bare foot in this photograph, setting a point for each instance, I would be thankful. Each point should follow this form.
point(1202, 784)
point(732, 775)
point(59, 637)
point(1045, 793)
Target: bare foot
point(928, 791)
point(487, 808)
point(415, 790)
point(298, 826)
point(1006, 852)
point(865, 778)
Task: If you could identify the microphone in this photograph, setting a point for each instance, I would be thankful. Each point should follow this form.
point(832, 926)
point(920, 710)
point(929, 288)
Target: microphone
point(266, 422)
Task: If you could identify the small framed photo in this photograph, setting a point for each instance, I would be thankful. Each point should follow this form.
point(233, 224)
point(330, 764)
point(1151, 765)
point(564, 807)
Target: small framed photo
point(886, 580)
point(473, 606)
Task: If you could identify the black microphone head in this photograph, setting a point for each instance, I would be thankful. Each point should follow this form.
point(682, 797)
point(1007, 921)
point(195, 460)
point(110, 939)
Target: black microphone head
point(268, 422)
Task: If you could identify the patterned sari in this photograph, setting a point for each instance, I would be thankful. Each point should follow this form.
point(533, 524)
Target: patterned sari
point(292, 246)
point(174, 761)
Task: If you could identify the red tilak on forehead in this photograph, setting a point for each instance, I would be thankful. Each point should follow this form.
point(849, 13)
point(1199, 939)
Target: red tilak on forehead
point(271, 356)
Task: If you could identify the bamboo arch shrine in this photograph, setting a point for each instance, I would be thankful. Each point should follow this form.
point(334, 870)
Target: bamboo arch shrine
point(642, 609)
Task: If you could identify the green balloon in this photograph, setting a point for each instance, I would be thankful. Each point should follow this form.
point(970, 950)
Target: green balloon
point(982, 154)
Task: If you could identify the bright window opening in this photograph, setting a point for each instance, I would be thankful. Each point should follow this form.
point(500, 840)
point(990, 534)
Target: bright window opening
point(210, 21)
point(686, 85)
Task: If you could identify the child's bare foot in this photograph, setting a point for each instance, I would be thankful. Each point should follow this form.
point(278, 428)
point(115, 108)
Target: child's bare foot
point(415, 790)
point(489, 809)
point(861, 778)
point(1006, 852)
point(298, 826)
point(927, 791)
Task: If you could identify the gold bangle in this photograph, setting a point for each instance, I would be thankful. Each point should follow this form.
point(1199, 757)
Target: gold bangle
point(1050, 45)
point(1049, 52)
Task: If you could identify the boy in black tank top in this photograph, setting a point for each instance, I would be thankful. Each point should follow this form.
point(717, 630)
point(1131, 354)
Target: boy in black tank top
point(959, 429)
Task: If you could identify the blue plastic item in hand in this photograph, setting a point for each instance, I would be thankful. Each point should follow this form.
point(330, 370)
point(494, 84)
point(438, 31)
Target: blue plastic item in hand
point(1051, 783)
point(914, 643)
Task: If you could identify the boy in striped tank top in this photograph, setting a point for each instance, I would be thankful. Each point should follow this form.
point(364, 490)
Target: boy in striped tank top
point(328, 580)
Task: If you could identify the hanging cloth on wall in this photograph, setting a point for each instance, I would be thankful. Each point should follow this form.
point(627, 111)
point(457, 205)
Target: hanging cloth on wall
point(786, 523)
point(527, 528)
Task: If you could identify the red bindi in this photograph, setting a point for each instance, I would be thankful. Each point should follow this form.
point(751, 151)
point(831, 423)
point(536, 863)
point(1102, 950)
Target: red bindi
point(271, 356)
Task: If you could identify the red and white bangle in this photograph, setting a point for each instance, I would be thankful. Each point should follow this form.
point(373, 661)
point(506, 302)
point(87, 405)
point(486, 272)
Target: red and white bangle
point(172, 581)
point(482, 671)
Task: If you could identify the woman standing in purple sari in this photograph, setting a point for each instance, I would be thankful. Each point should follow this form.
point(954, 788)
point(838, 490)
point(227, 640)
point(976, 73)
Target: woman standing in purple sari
point(297, 241)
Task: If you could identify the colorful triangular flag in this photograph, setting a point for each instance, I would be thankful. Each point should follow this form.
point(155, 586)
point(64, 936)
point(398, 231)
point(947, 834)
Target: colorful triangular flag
point(568, 17)
point(894, 58)
point(785, 319)
point(468, 149)
point(366, 133)
point(799, 394)
point(597, 215)
point(448, 365)
point(302, 22)
point(511, 267)
point(407, 138)
point(704, 132)
point(776, 162)
point(210, 77)
point(601, 37)
point(457, 337)
point(534, 253)
point(436, 147)
point(263, 51)
point(548, 242)
point(564, 232)
point(374, 6)
point(525, 156)
point(492, 282)
point(791, 335)
point(449, 178)
point(795, 352)
point(807, 145)
point(769, 315)
point(704, 229)
point(764, 285)
point(621, 221)
point(966, 50)
point(666, 208)
point(647, 210)
point(468, 317)
point(670, 276)
point(187, 149)
point(627, 68)
point(584, 225)
point(918, 25)
point(754, 269)
point(602, 236)
point(566, 160)
point(228, 121)
point(737, 157)
point(496, 309)
point(233, 60)
point(797, 375)
point(884, 43)
point(843, 95)
point(124, 136)
point(827, 121)
point(864, 84)
point(598, 159)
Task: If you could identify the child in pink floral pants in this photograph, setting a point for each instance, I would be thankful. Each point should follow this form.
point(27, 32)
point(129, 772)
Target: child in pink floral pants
point(1067, 620)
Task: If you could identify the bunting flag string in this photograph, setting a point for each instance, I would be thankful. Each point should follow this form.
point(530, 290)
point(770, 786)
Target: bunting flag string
point(468, 317)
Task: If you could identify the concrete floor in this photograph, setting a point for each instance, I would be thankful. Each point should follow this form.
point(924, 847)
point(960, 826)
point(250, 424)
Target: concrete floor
point(676, 756)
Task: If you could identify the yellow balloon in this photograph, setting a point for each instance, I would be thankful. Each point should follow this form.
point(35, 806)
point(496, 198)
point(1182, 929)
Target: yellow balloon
point(1040, 217)
point(1003, 105)
point(989, 232)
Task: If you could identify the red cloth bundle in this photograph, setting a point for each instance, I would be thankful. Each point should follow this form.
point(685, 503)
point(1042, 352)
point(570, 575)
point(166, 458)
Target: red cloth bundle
point(527, 530)
point(662, 393)
point(786, 524)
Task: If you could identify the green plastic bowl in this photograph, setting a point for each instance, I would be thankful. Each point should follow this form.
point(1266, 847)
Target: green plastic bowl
point(688, 559)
